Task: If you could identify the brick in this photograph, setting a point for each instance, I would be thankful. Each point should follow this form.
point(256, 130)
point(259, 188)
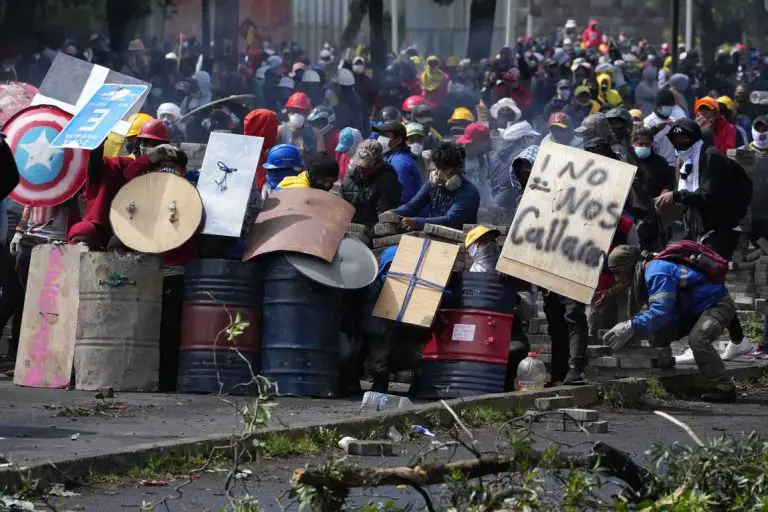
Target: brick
point(370, 448)
point(389, 217)
point(561, 424)
point(386, 241)
point(761, 306)
point(743, 265)
point(598, 351)
point(554, 402)
point(539, 338)
point(358, 228)
point(603, 362)
point(639, 363)
point(643, 352)
point(753, 255)
point(382, 229)
point(595, 427)
point(763, 244)
point(582, 414)
point(454, 235)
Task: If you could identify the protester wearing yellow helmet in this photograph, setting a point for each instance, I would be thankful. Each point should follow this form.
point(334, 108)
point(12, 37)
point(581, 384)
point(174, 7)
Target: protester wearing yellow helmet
point(117, 145)
point(461, 118)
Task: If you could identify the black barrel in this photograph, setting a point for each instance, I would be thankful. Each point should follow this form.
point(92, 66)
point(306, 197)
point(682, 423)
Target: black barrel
point(455, 379)
point(300, 334)
point(215, 293)
point(486, 291)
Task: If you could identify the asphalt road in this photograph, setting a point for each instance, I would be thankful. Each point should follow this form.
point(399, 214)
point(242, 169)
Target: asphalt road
point(631, 430)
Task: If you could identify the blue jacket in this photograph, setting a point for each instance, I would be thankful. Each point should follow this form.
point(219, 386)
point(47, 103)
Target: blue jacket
point(446, 208)
point(675, 293)
point(407, 169)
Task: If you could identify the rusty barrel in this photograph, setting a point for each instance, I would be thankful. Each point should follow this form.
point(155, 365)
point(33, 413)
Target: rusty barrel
point(217, 293)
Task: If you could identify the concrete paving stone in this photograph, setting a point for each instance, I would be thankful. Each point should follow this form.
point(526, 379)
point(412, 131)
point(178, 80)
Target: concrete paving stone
point(455, 235)
point(598, 351)
point(386, 241)
point(582, 414)
point(358, 228)
point(753, 255)
point(385, 229)
point(639, 362)
point(643, 352)
point(554, 402)
point(370, 448)
point(761, 305)
point(596, 427)
point(389, 217)
point(742, 265)
point(604, 361)
point(763, 244)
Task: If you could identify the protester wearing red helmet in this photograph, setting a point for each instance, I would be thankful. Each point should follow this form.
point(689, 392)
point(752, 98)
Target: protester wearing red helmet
point(106, 175)
point(411, 103)
point(295, 130)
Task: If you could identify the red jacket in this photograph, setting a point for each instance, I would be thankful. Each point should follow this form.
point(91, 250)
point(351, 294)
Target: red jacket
point(104, 181)
point(592, 38)
point(725, 135)
point(262, 123)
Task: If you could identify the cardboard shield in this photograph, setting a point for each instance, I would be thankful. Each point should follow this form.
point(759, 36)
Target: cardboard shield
point(303, 220)
point(48, 176)
point(156, 212)
point(354, 266)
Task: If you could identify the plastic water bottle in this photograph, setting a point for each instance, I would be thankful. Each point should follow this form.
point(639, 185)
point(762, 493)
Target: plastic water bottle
point(373, 401)
point(531, 373)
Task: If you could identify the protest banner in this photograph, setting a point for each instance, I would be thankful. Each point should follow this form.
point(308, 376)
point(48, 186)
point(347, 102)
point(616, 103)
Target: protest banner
point(71, 82)
point(49, 321)
point(566, 220)
point(226, 180)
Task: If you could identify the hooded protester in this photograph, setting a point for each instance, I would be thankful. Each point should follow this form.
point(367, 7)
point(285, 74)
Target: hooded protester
point(561, 99)
point(621, 127)
point(511, 86)
point(505, 113)
point(728, 110)
point(521, 168)
point(607, 96)
point(349, 140)
point(661, 120)
point(199, 93)
point(262, 123)
point(350, 111)
point(434, 83)
point(393, 138)
point(592, 36)
point(714, 202)
point(681, 84)
point(681, 302)
point(322, 172)
point(364, 85)
point(371, 185)
point(323, 119)
point(451, 199)
point(422, 114)
point(489, 173)
point(715, 125)
point(647, 91)
point(169, 113)
point(582, 105)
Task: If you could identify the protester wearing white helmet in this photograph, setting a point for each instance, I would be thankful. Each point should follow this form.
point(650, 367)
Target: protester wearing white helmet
point(345, 78)
point(169, 113)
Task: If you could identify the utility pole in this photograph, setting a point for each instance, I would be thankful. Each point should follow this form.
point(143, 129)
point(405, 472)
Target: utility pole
point(395, 27)
point(688, 25)
point(529, 20)
point(675, 32)
point(509, 34)
point(206, 33)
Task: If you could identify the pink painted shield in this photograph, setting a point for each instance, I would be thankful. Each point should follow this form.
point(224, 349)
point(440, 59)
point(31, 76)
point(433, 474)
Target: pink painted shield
point(48, 176)
point(14, 97)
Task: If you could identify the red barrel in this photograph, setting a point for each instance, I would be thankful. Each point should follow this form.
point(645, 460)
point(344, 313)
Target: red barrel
point(470, 335)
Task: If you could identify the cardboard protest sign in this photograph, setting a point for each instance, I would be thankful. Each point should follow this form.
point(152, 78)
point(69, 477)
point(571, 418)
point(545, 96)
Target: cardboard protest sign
point(98, 117)
point(566, 220)
point(416, 280)
point(49, 321)
point(71, 82)
point(226, 179)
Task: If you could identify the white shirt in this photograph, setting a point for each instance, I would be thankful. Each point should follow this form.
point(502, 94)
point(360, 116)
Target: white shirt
point(661, 143)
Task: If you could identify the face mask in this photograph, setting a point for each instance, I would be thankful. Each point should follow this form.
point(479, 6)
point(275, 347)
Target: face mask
point(296, 121)
point(666, 110)
point(156, 92)
point(384, 141)
point(760, 139)
point(564, 94)
point(417, 148)
point(358, 68)
point(642, 152)
point(485, 255)
point(438, 178)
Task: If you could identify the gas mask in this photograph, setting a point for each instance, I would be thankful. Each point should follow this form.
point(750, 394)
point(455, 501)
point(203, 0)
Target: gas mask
point(440, 179)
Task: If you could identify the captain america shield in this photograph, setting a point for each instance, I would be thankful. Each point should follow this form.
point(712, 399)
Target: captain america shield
point(48, 176)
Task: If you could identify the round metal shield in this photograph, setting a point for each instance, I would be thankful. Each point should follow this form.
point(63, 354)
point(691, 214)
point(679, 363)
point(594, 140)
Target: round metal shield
point(354, 266)
point(48, 176)
point(156, 212)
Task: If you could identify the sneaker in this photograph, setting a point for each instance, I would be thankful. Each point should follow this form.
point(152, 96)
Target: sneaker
point(685, 358)
point(760, 352)
point(732, 351)
point(719, 395)
point(575, 377)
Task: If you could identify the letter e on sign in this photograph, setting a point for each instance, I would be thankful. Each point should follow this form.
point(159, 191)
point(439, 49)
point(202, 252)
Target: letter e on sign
point(95, 121)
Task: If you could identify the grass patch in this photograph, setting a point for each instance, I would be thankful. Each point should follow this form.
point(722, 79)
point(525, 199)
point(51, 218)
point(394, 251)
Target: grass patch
point(95, 479)
point(166, 467)
point(753, 327)
point(483, 415)
point(611, 397)
point(656, 390)
point(104, 408)
point(278, 445)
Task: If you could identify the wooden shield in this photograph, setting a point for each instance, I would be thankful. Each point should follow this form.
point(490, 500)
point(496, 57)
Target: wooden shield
point(304, 220)
point(156, 212)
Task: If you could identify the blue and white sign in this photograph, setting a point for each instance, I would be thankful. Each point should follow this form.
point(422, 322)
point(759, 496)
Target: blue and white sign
point(89, 128)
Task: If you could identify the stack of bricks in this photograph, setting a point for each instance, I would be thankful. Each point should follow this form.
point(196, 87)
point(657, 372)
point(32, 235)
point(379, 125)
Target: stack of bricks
point(570, 419)
point(361, 232)
point(450, 236)
point(386, 233)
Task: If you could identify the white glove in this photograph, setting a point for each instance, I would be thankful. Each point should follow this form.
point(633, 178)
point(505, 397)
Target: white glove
point(15, 244)
point(619, 335)
point(161, 153)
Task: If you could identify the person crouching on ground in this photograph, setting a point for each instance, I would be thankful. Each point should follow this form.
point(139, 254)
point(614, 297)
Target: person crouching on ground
point(322, 173)
point(452, 200)
point(678, 297)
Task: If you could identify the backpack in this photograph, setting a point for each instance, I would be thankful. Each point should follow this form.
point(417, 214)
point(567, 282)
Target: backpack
point(741, 193)
point(698, 257)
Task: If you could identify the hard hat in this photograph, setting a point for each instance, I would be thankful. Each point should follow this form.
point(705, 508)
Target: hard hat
point(345, 77)
point(480, 231)
point(462, 114)
point(452, 62)
point(636, 114)
point(412, 102)
point(310, 76)
point(299, 101)
point(283, 156)
point(155, 130)
point(390, 113)
point(325, 115)
point(728, 102)
point(137, 121)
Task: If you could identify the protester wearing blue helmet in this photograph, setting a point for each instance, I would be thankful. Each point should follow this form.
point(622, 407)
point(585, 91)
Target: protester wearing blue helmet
point(283, 160)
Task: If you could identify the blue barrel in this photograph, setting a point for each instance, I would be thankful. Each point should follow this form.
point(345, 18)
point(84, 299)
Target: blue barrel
point(486, 291)
point(455, 379)
point(215, 292)
point(300, 333)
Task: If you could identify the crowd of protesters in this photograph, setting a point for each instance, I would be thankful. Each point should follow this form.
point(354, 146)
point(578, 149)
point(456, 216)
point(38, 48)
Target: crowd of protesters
point(449, 141)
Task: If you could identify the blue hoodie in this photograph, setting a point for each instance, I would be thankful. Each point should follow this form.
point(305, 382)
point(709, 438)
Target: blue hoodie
point(407, 169)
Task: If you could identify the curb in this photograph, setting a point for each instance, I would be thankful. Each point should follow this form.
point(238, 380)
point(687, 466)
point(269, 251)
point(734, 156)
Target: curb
point(431, 415)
